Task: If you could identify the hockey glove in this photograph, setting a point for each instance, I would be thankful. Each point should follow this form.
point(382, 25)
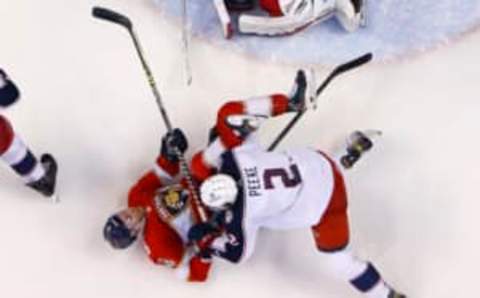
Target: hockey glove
point(199, 232)
point(9, 93)
point(172, 141)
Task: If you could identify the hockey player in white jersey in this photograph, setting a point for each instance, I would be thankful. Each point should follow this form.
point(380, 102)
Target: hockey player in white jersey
point(39, 175)
point(247, 188)
point(289, 16)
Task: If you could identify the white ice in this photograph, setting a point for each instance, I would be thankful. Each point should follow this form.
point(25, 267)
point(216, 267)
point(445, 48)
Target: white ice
point(414, 199)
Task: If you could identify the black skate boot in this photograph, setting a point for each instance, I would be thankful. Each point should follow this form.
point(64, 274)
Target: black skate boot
point(297, 95)
point(357, 144)
point(46, 185)
point(357, 5)
point(394, 294)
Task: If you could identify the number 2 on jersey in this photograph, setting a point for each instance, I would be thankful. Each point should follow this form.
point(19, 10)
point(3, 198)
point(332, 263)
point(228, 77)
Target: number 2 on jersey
point(289, 179)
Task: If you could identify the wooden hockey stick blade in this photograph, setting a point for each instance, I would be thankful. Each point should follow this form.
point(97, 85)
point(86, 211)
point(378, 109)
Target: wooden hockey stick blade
point(112, 16)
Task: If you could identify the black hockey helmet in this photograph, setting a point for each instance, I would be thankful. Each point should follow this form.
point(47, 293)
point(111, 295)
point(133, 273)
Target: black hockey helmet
point(117, 233)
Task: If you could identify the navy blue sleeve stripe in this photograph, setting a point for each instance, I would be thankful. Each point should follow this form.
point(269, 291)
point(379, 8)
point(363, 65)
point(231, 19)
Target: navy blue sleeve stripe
point(367, 280)
point(27, 164)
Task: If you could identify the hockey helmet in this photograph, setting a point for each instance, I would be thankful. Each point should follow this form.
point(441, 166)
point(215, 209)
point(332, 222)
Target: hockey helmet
point(218, 192)
point(117, 233)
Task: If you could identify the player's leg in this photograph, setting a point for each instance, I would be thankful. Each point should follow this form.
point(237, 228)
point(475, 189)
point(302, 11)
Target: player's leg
point(236, 120)
point(38, 175)
point(332, 237)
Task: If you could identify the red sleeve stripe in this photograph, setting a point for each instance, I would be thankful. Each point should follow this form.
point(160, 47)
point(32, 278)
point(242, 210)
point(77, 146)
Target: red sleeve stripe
point(212, 155)
point(165, 169)
point(227, 135)
point(279, 104)
point(200, 169)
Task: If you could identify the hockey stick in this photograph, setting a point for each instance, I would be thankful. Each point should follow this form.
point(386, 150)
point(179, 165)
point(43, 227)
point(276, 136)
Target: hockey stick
point(114, 17)
point(336, 72)
point(185, 39)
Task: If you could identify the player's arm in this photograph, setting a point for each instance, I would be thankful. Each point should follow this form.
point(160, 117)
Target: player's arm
point(166, 167)
point(219, 236)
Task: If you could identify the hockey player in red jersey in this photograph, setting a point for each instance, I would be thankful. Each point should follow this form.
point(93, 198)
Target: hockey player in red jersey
point(247, 188)
point(40, 176)
point(289, 16)
point(159, 206)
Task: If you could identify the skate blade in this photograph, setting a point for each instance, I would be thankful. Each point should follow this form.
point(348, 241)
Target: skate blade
point(372, 133)
point(55, 198)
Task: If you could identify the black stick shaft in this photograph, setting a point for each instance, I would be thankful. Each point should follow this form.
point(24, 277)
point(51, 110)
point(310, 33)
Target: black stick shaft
point(112, 16)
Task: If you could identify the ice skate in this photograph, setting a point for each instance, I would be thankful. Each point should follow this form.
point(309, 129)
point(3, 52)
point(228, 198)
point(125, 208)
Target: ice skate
point(394, 294)
point(46, 185)
point(357, 144)
point(297, 95)
point(351, 14)
point(361, 7)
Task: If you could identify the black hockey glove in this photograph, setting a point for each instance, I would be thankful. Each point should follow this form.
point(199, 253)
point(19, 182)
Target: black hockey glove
point(199, 232)
point(171, 142)
point(9, 93)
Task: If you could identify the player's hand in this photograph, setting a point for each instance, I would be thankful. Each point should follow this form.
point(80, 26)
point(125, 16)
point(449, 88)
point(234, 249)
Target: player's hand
point(173, 141)
point(199, 232)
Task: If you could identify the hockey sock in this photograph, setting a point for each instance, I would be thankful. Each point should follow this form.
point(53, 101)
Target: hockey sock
point(8, 91)
point(17, 155)
point(363, 276)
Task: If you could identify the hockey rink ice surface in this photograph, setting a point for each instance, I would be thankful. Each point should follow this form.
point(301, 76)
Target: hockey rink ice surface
point(414, 202)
